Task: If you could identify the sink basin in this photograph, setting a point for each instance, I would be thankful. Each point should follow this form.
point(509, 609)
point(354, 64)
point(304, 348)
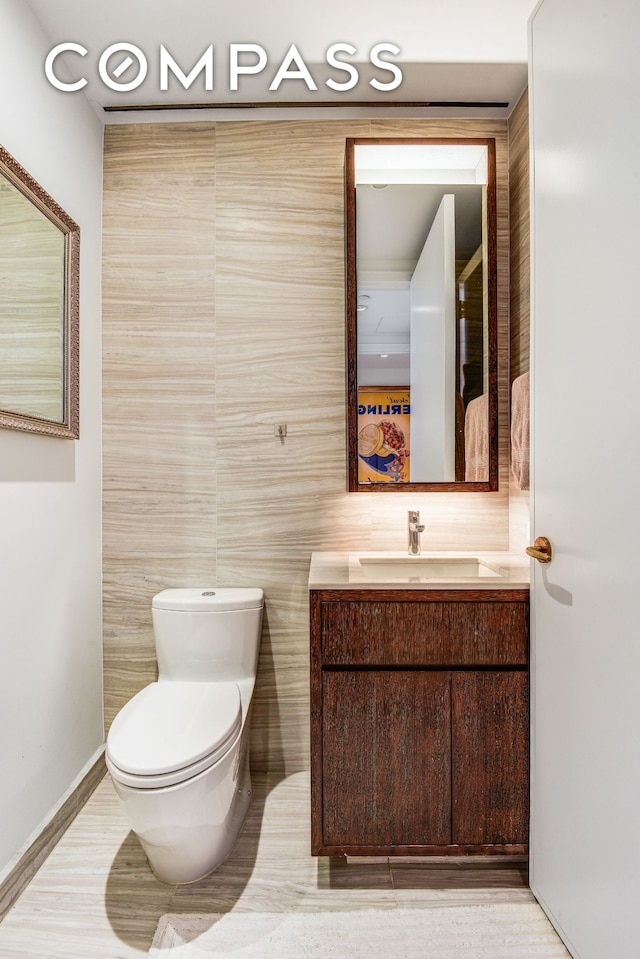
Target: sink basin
point(406, 568)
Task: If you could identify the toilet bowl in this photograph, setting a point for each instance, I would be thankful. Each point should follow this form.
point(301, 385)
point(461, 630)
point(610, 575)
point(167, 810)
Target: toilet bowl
point(178, 752)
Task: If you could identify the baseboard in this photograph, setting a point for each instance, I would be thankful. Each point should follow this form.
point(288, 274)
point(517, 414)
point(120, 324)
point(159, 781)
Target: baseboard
point(29, 860)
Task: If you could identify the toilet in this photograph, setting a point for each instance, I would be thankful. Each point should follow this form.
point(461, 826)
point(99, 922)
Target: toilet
point(178, 752)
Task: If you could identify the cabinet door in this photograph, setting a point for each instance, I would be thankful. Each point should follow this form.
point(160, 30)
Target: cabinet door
point(386, 764)
point(490, 749)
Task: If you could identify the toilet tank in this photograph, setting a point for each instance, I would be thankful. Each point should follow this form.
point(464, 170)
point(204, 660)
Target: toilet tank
point(208, 635)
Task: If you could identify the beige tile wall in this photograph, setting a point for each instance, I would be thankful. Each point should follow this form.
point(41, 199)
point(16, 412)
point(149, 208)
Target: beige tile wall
point(224, 315)
point(519, 223)
point(519, 218)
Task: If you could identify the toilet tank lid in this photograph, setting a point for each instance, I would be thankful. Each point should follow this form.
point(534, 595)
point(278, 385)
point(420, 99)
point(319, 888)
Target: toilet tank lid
point(209, 599)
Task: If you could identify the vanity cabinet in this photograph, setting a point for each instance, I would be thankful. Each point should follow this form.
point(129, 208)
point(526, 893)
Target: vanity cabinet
point(419, 722)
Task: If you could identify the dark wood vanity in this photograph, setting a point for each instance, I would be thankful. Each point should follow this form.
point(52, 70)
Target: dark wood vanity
point(419, 722)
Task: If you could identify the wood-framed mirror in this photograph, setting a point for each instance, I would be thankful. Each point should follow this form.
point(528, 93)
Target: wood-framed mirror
point(421, 305)
point(39, 307)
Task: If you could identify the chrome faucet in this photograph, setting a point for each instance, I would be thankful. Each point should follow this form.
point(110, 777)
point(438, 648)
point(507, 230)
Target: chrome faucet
point(415, 528)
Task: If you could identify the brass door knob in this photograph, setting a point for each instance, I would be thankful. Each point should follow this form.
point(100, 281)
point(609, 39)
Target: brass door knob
point(541, 550)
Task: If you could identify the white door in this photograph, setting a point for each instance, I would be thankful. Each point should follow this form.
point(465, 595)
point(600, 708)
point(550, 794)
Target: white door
point(585, 844)
point(433, 352)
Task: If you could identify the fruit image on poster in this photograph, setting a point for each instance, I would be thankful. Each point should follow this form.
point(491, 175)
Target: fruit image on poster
point(383, 435)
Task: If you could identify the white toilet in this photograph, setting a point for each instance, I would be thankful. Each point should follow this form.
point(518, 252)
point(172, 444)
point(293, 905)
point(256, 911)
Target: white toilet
point(178, 752)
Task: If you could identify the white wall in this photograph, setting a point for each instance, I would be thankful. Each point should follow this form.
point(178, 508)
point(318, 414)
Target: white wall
point(50, 489)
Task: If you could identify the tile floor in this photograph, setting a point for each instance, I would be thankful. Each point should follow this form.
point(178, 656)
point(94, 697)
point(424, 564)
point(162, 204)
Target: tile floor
point(96, 898)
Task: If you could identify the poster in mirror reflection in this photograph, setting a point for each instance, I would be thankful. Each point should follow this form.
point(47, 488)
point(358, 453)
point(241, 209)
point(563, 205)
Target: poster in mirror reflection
point(384, 418)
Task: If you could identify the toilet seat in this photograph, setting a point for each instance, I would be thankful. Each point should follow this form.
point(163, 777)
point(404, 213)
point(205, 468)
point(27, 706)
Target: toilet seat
point(170, 731)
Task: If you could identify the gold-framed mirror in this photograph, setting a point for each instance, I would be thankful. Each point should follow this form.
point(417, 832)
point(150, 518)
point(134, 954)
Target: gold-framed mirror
point(421, 305)
point(39, 307)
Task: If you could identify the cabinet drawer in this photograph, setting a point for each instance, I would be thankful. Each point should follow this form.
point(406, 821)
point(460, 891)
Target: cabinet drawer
point(431, 633)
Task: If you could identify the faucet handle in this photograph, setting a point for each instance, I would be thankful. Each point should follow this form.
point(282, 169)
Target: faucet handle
point(414, 521)
point(415, 527)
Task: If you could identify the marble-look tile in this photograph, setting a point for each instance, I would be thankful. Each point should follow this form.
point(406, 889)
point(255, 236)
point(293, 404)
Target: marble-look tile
point(437, 127)
point(150, 148)
point(17, 880)
point(176, 201)
point(271, 868)
point(470, 520)
point(213, 339)
point(155, 289)
point(159, 383)
point(261, 227)
point(286, 146)
point(152, 525)
point(276, 358)
point(519, 519)
point(458, 884)
point(519, 225)
point(96, 896)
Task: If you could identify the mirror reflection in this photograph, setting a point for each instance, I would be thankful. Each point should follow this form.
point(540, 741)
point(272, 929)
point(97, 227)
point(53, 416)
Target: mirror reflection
point(38, 307)
point(421, 312)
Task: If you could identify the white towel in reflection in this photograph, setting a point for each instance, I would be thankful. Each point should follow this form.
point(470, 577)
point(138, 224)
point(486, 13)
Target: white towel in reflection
point(476, 440)
point(520, 431)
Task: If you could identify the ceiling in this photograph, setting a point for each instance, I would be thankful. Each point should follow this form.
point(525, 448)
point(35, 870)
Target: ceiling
point(459, 52)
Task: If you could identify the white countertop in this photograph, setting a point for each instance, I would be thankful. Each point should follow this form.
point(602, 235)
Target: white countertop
point(376, 570)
